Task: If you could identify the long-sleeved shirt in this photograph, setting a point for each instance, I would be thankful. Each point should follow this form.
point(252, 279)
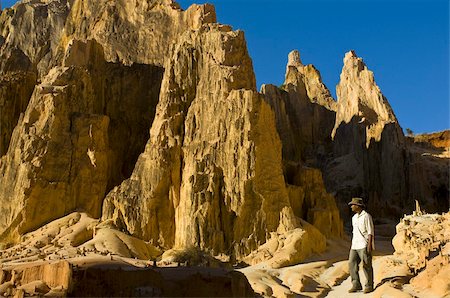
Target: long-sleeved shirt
point(362, 227)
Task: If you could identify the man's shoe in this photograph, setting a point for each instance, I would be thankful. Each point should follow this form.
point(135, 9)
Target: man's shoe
point(354, 289)
point(368, 290)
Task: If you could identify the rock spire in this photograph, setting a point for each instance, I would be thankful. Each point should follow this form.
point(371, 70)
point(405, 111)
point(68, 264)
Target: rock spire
point(359, 96)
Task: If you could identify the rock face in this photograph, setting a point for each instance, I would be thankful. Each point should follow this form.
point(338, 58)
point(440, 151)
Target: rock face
point(369, 151)
point(61, 279)
point(356, 142)
point(430, 154)
point(52, 279)
point(304, 111)
point(60, 156)
point(31, 32)
point(213, 159)
point(212, 162)
point(160, 282)
point(358, 95)
point(50, 163)
point(147, 118)
point(15, 92)
point(423, 243)
point(134, 31)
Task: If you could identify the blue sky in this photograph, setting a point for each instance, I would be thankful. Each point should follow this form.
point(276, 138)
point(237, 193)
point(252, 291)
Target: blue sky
point(404, 42)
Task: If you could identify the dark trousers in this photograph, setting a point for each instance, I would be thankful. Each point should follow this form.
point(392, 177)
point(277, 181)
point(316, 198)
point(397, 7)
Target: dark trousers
point(355, 257)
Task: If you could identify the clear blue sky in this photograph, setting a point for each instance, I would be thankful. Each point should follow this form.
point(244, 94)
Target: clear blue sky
point(404, 42)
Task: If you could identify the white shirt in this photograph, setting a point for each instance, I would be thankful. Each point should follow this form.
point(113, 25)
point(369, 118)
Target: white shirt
point(362, 228)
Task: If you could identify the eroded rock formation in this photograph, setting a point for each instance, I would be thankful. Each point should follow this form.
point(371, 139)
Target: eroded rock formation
point(62, 279)
point(15, 92)
point(356, 142)
point(213, 159)
point(62, 158)
point(134, 31)
point(369, 145)
point(147, 117)
point(422, 243)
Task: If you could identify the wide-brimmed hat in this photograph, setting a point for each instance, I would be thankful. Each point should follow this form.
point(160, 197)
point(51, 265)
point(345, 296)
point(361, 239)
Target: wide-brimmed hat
point(357, 201)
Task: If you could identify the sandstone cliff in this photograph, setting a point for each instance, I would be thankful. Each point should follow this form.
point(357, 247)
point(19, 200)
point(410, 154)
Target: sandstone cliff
point(304, 112)
point(429, 170)
point(133, 31)
point(15, 92)
point(60, 156)
point(358, 95)
point(212, 162)
point(369, 146)
point(355, 141)
point(213, 159)
point(29, 32)
point(147, 117)
point(29, 36)
point(343, 138)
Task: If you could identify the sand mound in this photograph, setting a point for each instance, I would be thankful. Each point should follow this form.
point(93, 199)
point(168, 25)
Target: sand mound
point(288, 248)
point(75, 235)
point(109, 241)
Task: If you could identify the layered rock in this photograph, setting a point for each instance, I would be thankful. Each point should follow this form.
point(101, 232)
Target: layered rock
point(52, 279)
point(439, 139)
point(61, 279)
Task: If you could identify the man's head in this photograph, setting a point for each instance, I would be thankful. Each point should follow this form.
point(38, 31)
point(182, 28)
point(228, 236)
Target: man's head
point(356, 204)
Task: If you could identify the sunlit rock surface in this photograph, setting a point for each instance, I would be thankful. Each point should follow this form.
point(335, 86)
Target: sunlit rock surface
point(133, 129)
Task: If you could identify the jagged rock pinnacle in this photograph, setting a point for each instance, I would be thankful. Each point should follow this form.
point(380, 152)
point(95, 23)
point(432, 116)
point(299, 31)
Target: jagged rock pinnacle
point(350, 54)
point(294, 59)
point(358, 95)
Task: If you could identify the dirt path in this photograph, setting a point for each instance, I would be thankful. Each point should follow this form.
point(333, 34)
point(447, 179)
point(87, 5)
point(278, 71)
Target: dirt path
point(341, 290)
point(325, 275)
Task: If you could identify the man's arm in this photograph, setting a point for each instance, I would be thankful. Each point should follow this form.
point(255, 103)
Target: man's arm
point(370, 231)
point(370, 244)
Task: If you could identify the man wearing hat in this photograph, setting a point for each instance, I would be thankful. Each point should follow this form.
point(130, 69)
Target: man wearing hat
point(362, 246)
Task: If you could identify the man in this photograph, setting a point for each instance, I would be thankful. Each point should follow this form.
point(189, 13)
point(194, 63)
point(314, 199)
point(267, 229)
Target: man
point(362, 246)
